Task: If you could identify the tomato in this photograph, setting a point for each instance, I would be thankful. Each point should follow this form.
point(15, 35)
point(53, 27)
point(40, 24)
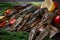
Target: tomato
point(56, 4)
point(12, 21)
point(58, 12)
point(8, 11)
point(2, 24)
point(57, 19)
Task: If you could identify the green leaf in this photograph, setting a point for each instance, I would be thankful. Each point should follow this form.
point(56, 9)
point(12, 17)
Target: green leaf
point(6, 35)
point(3, 11)
point(47, 38)
point(9, 4)
point(35, 3)
point(6, 5)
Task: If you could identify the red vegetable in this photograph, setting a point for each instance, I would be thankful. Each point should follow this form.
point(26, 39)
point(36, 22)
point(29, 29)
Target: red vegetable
point(2, 24)
point(57, 19)
point(8, 11)
point(58, 11)
point(12, 21)
point(56, 4)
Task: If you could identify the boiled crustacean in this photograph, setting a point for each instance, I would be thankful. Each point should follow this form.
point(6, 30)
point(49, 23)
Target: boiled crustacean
point(43, 32)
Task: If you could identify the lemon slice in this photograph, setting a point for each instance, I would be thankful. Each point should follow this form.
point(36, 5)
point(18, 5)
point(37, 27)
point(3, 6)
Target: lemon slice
point(1, 17)
point(49, 4)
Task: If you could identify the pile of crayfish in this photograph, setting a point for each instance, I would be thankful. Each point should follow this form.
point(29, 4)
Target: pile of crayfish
point(39, 22)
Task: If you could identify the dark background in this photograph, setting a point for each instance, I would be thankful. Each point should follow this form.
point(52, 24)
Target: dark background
point(24, 0)
point(18, 0)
